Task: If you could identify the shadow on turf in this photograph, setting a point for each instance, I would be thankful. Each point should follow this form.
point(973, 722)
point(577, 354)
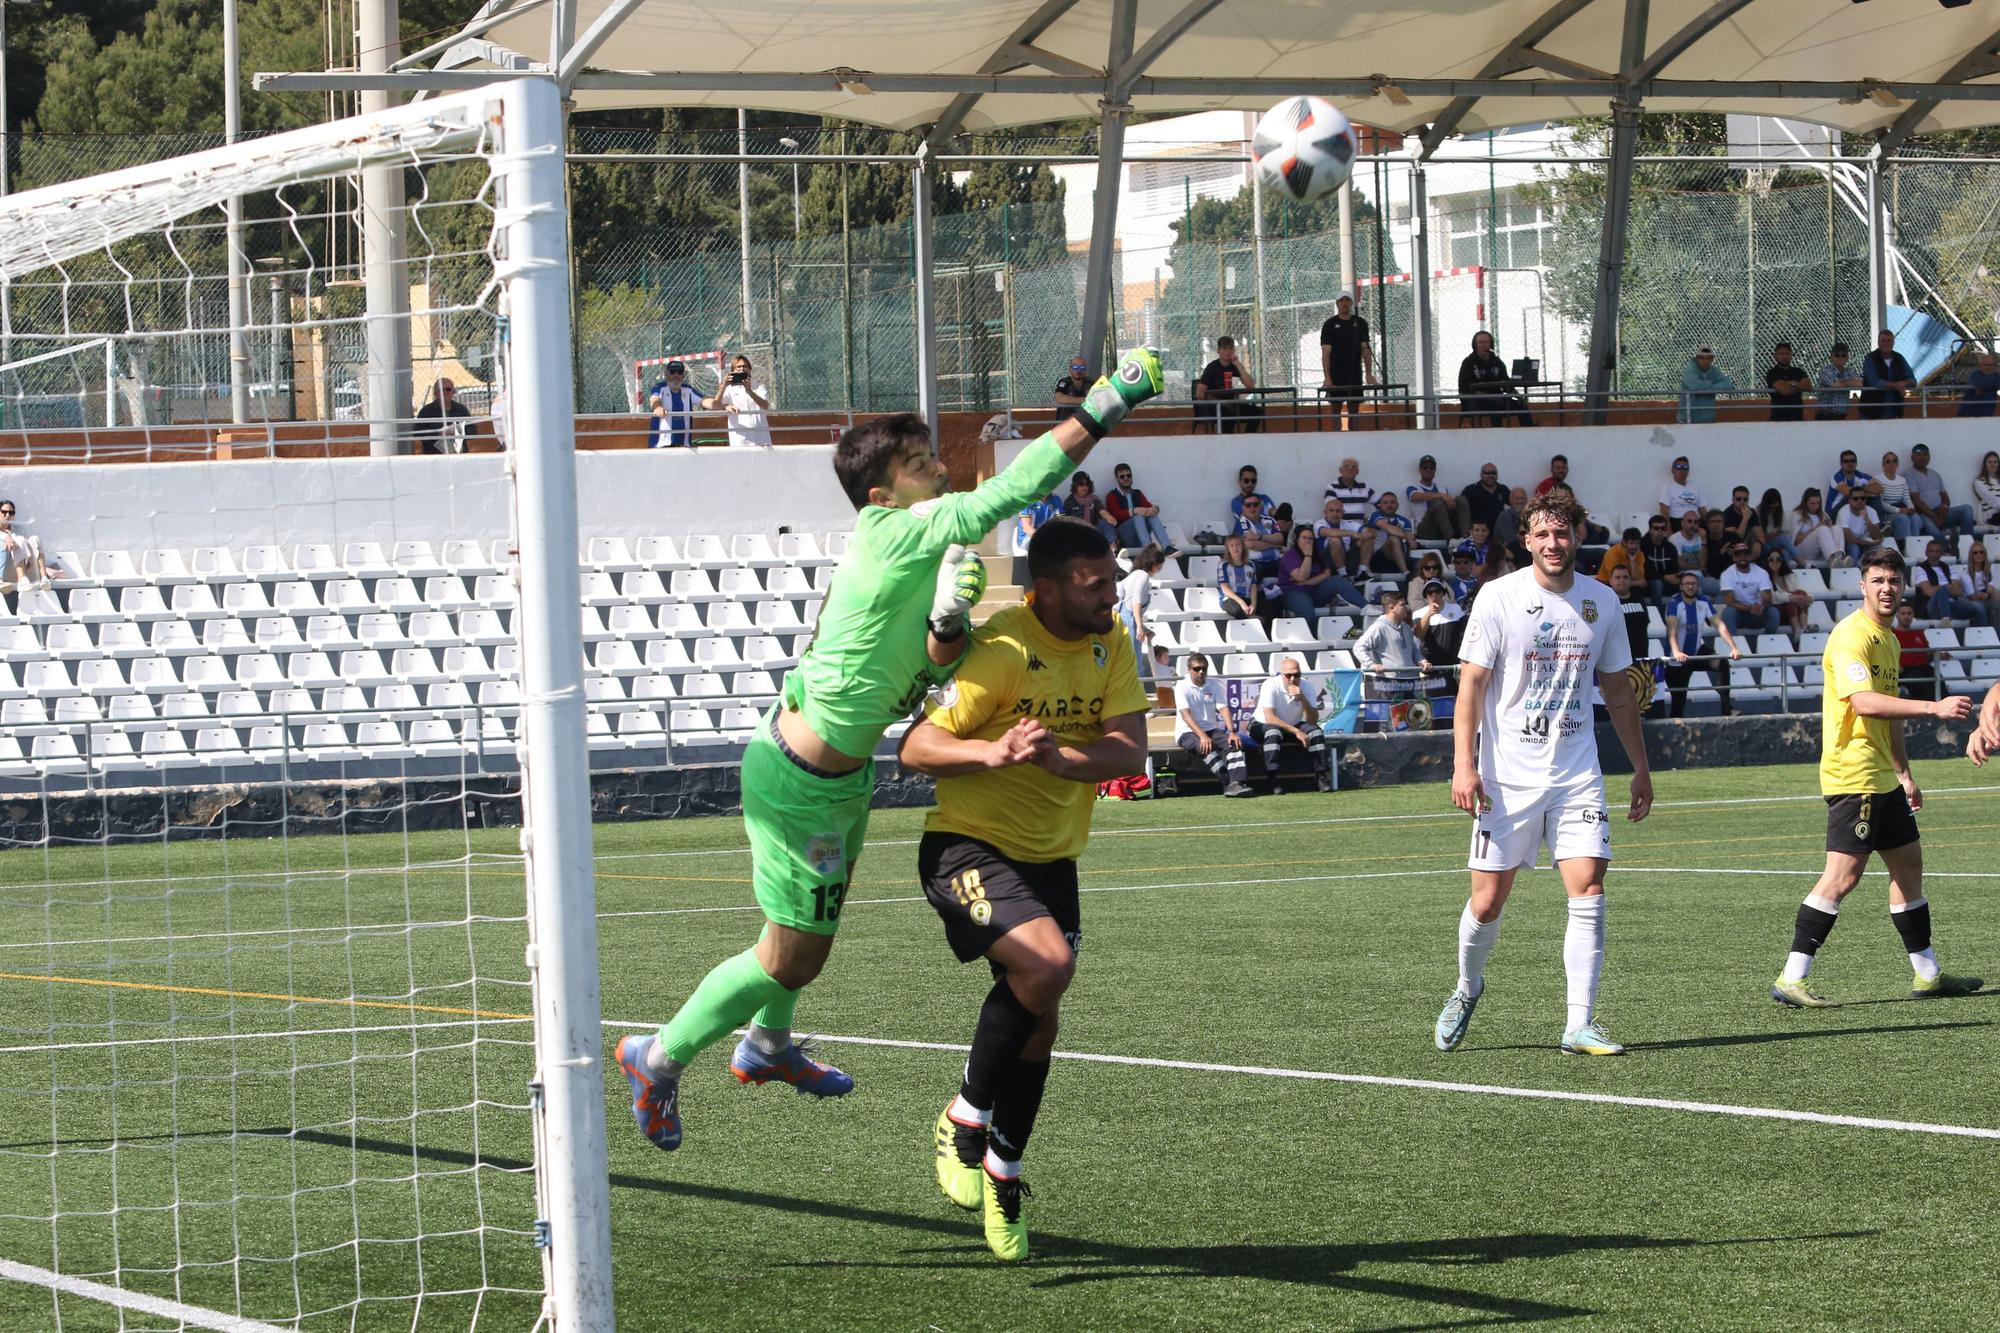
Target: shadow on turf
point(1748, 1038)
point(1100, 1261)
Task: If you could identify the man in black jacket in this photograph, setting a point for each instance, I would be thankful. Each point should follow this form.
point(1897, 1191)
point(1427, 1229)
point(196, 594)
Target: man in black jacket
point(443, 424)
point(1483, 384)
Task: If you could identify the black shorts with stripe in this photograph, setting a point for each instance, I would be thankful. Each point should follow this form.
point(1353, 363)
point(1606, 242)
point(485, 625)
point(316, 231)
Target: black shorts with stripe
point(981, 893)
point(1860, 823)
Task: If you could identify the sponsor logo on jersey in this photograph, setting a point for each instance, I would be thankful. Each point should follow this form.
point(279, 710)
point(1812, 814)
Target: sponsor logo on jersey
point(826, 853)
point(1589, 611)
point(1098, 654)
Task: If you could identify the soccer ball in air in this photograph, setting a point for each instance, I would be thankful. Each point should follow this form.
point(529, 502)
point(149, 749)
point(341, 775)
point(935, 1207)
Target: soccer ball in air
point(1304, 147)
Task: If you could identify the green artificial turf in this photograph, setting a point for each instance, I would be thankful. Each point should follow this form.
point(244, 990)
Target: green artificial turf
point(1303, 933)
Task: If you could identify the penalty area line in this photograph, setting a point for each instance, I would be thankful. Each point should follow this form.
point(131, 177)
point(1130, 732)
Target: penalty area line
point(1441, 1085)
point(190, 1316)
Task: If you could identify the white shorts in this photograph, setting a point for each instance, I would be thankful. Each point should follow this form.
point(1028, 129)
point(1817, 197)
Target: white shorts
point(1572, 820)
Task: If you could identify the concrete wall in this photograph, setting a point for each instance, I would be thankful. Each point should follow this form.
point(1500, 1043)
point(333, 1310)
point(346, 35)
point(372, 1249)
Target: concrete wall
point(1617, 471)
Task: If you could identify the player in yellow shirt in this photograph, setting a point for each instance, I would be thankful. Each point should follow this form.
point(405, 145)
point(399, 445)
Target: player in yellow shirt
point(1871, 796)
point(1046, 705)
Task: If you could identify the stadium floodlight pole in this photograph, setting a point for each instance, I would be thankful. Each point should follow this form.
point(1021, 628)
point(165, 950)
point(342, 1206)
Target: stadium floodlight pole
point(385, 266)
point(1878, 248)
point(743, 217)
point(1114, 112)
point(926, 284)
point(239, 277)
point(1625, 107)
point(1420, 292)
point(573, 1176)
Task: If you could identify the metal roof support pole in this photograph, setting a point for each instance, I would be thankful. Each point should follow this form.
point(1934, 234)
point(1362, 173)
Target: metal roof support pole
point(386, 384)
point(926, 281)
point(1878, 249)
point(1420, 291)
point(1625, 108)
point(1115, 111)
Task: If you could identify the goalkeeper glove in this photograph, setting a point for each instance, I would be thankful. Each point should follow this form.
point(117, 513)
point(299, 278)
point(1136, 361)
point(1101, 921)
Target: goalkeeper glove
point(961, 582)
point(1137, 378)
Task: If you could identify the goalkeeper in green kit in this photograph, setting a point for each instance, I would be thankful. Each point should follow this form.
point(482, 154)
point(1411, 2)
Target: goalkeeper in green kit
point(894, 625)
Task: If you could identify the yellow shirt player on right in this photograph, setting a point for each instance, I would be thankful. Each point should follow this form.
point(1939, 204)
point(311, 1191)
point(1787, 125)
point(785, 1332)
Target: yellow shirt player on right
point(1871, 796)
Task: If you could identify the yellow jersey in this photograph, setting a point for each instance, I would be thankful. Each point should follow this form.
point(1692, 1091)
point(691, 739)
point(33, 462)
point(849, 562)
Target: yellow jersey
point(1855, 756)
point(1016, 669)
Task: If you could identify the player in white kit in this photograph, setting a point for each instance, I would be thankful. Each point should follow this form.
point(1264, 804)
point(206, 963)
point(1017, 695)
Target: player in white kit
point(1534, 642)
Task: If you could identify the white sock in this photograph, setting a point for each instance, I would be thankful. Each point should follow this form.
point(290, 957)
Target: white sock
point(964, 1112)
point(999, 1167)
point(1475, 941)
point(1798, 966)
point(1926, 964)
point(1583, 956)
point(770, 1040)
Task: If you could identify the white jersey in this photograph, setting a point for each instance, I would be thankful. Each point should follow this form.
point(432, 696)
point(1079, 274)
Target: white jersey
point(1204, 703)
point(1544, 650)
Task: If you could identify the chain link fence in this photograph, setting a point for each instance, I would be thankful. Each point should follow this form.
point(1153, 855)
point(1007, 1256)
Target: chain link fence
point(1732, 255)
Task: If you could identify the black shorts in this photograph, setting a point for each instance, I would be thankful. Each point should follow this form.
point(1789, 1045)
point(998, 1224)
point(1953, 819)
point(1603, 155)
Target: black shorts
point(1858, 825)
point(982, 894)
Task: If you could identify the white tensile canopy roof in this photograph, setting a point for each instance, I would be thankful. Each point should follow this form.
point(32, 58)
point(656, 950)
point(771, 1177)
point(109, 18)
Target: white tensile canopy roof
point(1198, 54)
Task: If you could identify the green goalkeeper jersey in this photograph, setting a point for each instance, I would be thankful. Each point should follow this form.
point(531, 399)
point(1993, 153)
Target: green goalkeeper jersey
point(868, 665)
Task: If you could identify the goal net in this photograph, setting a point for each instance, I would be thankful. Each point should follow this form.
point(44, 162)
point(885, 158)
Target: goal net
point(298, 995)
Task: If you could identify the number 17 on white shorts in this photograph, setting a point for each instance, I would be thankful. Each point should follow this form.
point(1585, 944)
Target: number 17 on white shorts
point(1509, 836)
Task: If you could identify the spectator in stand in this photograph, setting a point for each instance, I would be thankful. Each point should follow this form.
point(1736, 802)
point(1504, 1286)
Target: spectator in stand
point(1085, 505)
point(1484, 384)
point(1687, 616)
point(1306, 582)
point(1261, 538)
point(1438, 514)
point(1388, 644)
point(1700, 382)
point(443, 424)
point(1223, 382)
point(23, 566)
point(1633, 611)
point(1904, 520)
point(748, 404)
point(673, 405)
point(1558, 475)
point(1031, 518)
point(1594, 534)
point(1986, 490)
point(1241, 587)
point(1850, 477)
point(1357, 497)
point(1485, 498)
point(1430, 565)
point(1286, 706)
point(1625, 555)
point(1858, 528)
point(1464, 577)
point(1481, 540)
point(1346, 361)
point(1393, 536)
point(1072, 388)
point(1340, 545)
point(1678, 494)
point(1720, 552)
point(1775, 524)
point(1662, 561)
point(1815, 536)
point(1975, 584)
point(1691, 552)
point(1886, 379)
point(1208, 732)
point(1434, 623)
point(1135, 596)
point(1282, 516)
point(1246, 486)
point(1934, 587)
point(1739, 522)
point(1982, 388)
point(1507, 531)
point(1787, 593)
point(1136, 518)
point(1932, 500)
point(1499, 560)
point(1916, 671)
point(1749, 602)
point(1788, 383)
point(1834, 388)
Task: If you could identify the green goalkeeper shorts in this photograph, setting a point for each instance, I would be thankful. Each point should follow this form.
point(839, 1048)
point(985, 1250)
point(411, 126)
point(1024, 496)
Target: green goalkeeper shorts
point(805, 827)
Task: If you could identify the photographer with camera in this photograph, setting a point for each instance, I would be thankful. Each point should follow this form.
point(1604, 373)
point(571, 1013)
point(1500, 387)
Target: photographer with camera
point(746, 402)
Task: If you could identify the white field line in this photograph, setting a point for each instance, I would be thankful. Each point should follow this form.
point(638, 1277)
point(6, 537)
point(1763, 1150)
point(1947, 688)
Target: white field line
point(190, 1316)
point(1438, 1085)
point(473, 859)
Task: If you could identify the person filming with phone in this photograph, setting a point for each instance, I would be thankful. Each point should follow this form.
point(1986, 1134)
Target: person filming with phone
point(746, 402)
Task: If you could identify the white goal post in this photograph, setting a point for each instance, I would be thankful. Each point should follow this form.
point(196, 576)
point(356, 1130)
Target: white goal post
point(300, 1016)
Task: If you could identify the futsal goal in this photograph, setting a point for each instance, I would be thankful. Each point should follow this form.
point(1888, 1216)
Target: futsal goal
point(316, 1049)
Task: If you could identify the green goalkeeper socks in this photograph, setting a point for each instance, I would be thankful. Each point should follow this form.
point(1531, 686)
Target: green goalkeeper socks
point(727, 997)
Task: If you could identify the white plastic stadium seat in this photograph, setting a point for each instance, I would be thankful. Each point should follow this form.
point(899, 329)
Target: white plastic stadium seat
point(415, 560)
